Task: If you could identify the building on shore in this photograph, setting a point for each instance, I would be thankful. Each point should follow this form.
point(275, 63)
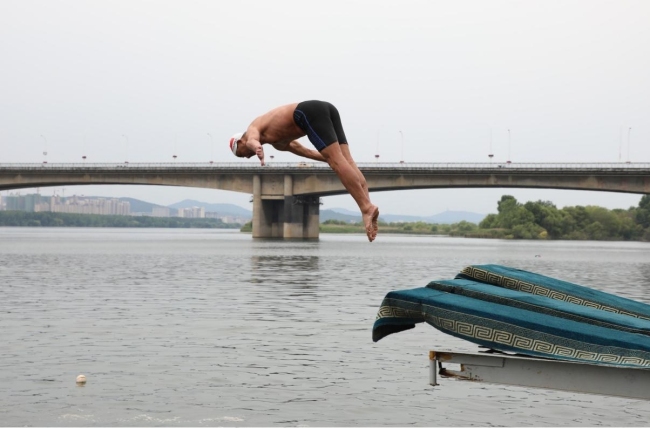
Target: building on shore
point(160, 212)
point(71, 205)
point(192, 212)
point(228, 218)
point(29, 203)
point(104, 206)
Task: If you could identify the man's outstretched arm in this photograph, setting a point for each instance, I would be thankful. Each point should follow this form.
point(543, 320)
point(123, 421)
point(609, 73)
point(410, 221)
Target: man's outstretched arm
point(298, 149)
point(252, 143)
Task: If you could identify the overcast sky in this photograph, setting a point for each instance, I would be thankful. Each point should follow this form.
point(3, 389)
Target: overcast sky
point(144, 80)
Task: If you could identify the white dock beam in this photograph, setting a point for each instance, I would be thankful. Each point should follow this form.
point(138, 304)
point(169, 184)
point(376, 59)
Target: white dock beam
point(540, 373)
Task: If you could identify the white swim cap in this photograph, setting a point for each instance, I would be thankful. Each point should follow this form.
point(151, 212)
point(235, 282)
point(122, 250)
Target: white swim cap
point(234, 140)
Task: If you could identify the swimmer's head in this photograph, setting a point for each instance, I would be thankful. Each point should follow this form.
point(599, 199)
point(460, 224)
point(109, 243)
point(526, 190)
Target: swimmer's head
point(234, 142)
point(239, 148)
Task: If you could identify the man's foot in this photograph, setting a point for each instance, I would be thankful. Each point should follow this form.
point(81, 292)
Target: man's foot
point(370, 218)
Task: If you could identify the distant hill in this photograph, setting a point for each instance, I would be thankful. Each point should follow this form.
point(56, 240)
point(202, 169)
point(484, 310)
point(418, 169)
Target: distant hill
point(449, 217)
point(446, 217)
point(333, 215)
point(345, 211)
point(224, 209)
point(138, 206)
point(341, 214)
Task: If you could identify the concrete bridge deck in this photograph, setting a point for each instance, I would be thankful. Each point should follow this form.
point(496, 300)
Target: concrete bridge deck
point(319, 179)
point(286, 195)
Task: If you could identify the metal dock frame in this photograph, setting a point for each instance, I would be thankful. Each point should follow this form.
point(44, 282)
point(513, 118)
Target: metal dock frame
point(525, 371)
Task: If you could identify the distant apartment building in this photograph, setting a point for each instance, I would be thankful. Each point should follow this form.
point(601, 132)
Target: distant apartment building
point(71, 205)
point(106, 206)
point(160, 212)
point(193, 212)
point(228, 218)
point(77, 205)
point(29, 203)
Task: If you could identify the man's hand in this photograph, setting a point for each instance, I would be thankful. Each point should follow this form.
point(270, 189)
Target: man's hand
point(260, 153)
point(253, 144)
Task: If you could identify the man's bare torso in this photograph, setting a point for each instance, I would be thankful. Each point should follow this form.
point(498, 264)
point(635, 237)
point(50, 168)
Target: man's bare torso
point(277, 126)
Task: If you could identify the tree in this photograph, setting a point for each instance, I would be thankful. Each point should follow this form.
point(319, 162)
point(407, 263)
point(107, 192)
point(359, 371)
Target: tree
point(645, 202)
point(489, 222)
point(596, 231)
point(513, 215)
point(609, 222)
point(506, 203)
point(526, 231)
point(642, 215)
point(465, 227)
point(540, 209)
point(547, 216)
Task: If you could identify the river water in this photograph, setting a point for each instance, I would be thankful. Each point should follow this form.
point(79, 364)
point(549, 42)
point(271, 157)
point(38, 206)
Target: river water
point(205, 327)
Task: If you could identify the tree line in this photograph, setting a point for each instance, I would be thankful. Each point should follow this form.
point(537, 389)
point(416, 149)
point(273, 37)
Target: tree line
point(51, 219)
point(531, 220)
point(543, 220)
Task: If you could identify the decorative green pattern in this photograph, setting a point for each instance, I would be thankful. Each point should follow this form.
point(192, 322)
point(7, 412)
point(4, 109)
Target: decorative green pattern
point(386, 311)
point(512, 337)
point(488, 277)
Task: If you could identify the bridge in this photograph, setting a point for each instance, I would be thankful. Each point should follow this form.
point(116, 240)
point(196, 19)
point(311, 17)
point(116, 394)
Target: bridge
point(286, 196)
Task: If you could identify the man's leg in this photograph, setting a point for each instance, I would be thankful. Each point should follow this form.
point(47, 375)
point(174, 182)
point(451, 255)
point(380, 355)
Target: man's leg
point(345, 149)
point(355, 184)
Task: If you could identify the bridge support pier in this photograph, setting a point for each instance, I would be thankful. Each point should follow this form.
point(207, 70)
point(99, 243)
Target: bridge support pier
point(287, 217)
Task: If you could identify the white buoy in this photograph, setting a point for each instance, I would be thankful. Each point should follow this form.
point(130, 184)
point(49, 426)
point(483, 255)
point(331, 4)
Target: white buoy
point(81, 379)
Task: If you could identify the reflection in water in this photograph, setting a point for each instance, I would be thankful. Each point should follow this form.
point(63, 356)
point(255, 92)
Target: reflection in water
point(644, 268)
point(284, 286)
point(643, 282)
point(299, 271)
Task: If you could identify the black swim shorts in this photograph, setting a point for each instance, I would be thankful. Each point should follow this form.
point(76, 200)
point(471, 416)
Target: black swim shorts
point(321, 122)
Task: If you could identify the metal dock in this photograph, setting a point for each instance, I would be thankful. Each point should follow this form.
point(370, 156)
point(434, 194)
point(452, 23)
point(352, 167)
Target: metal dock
point(532, 372)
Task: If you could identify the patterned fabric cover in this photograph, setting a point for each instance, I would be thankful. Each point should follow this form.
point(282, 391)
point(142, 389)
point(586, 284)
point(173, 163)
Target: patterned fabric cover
point(517, 321)
point(529, 282)
point(544, 305)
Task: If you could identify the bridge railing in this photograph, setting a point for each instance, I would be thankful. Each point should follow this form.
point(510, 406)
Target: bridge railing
point(236, 166)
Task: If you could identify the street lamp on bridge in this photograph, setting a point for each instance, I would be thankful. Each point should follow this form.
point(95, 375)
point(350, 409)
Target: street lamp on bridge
point(84, 148)
point(211, 148)
point(174, 154)
point(629, 130)
point(402, 159)
point(490, 154)
point(127, 148)
point(620, 142)
point(508, 161)
point(45, 149)
point(377, 152)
